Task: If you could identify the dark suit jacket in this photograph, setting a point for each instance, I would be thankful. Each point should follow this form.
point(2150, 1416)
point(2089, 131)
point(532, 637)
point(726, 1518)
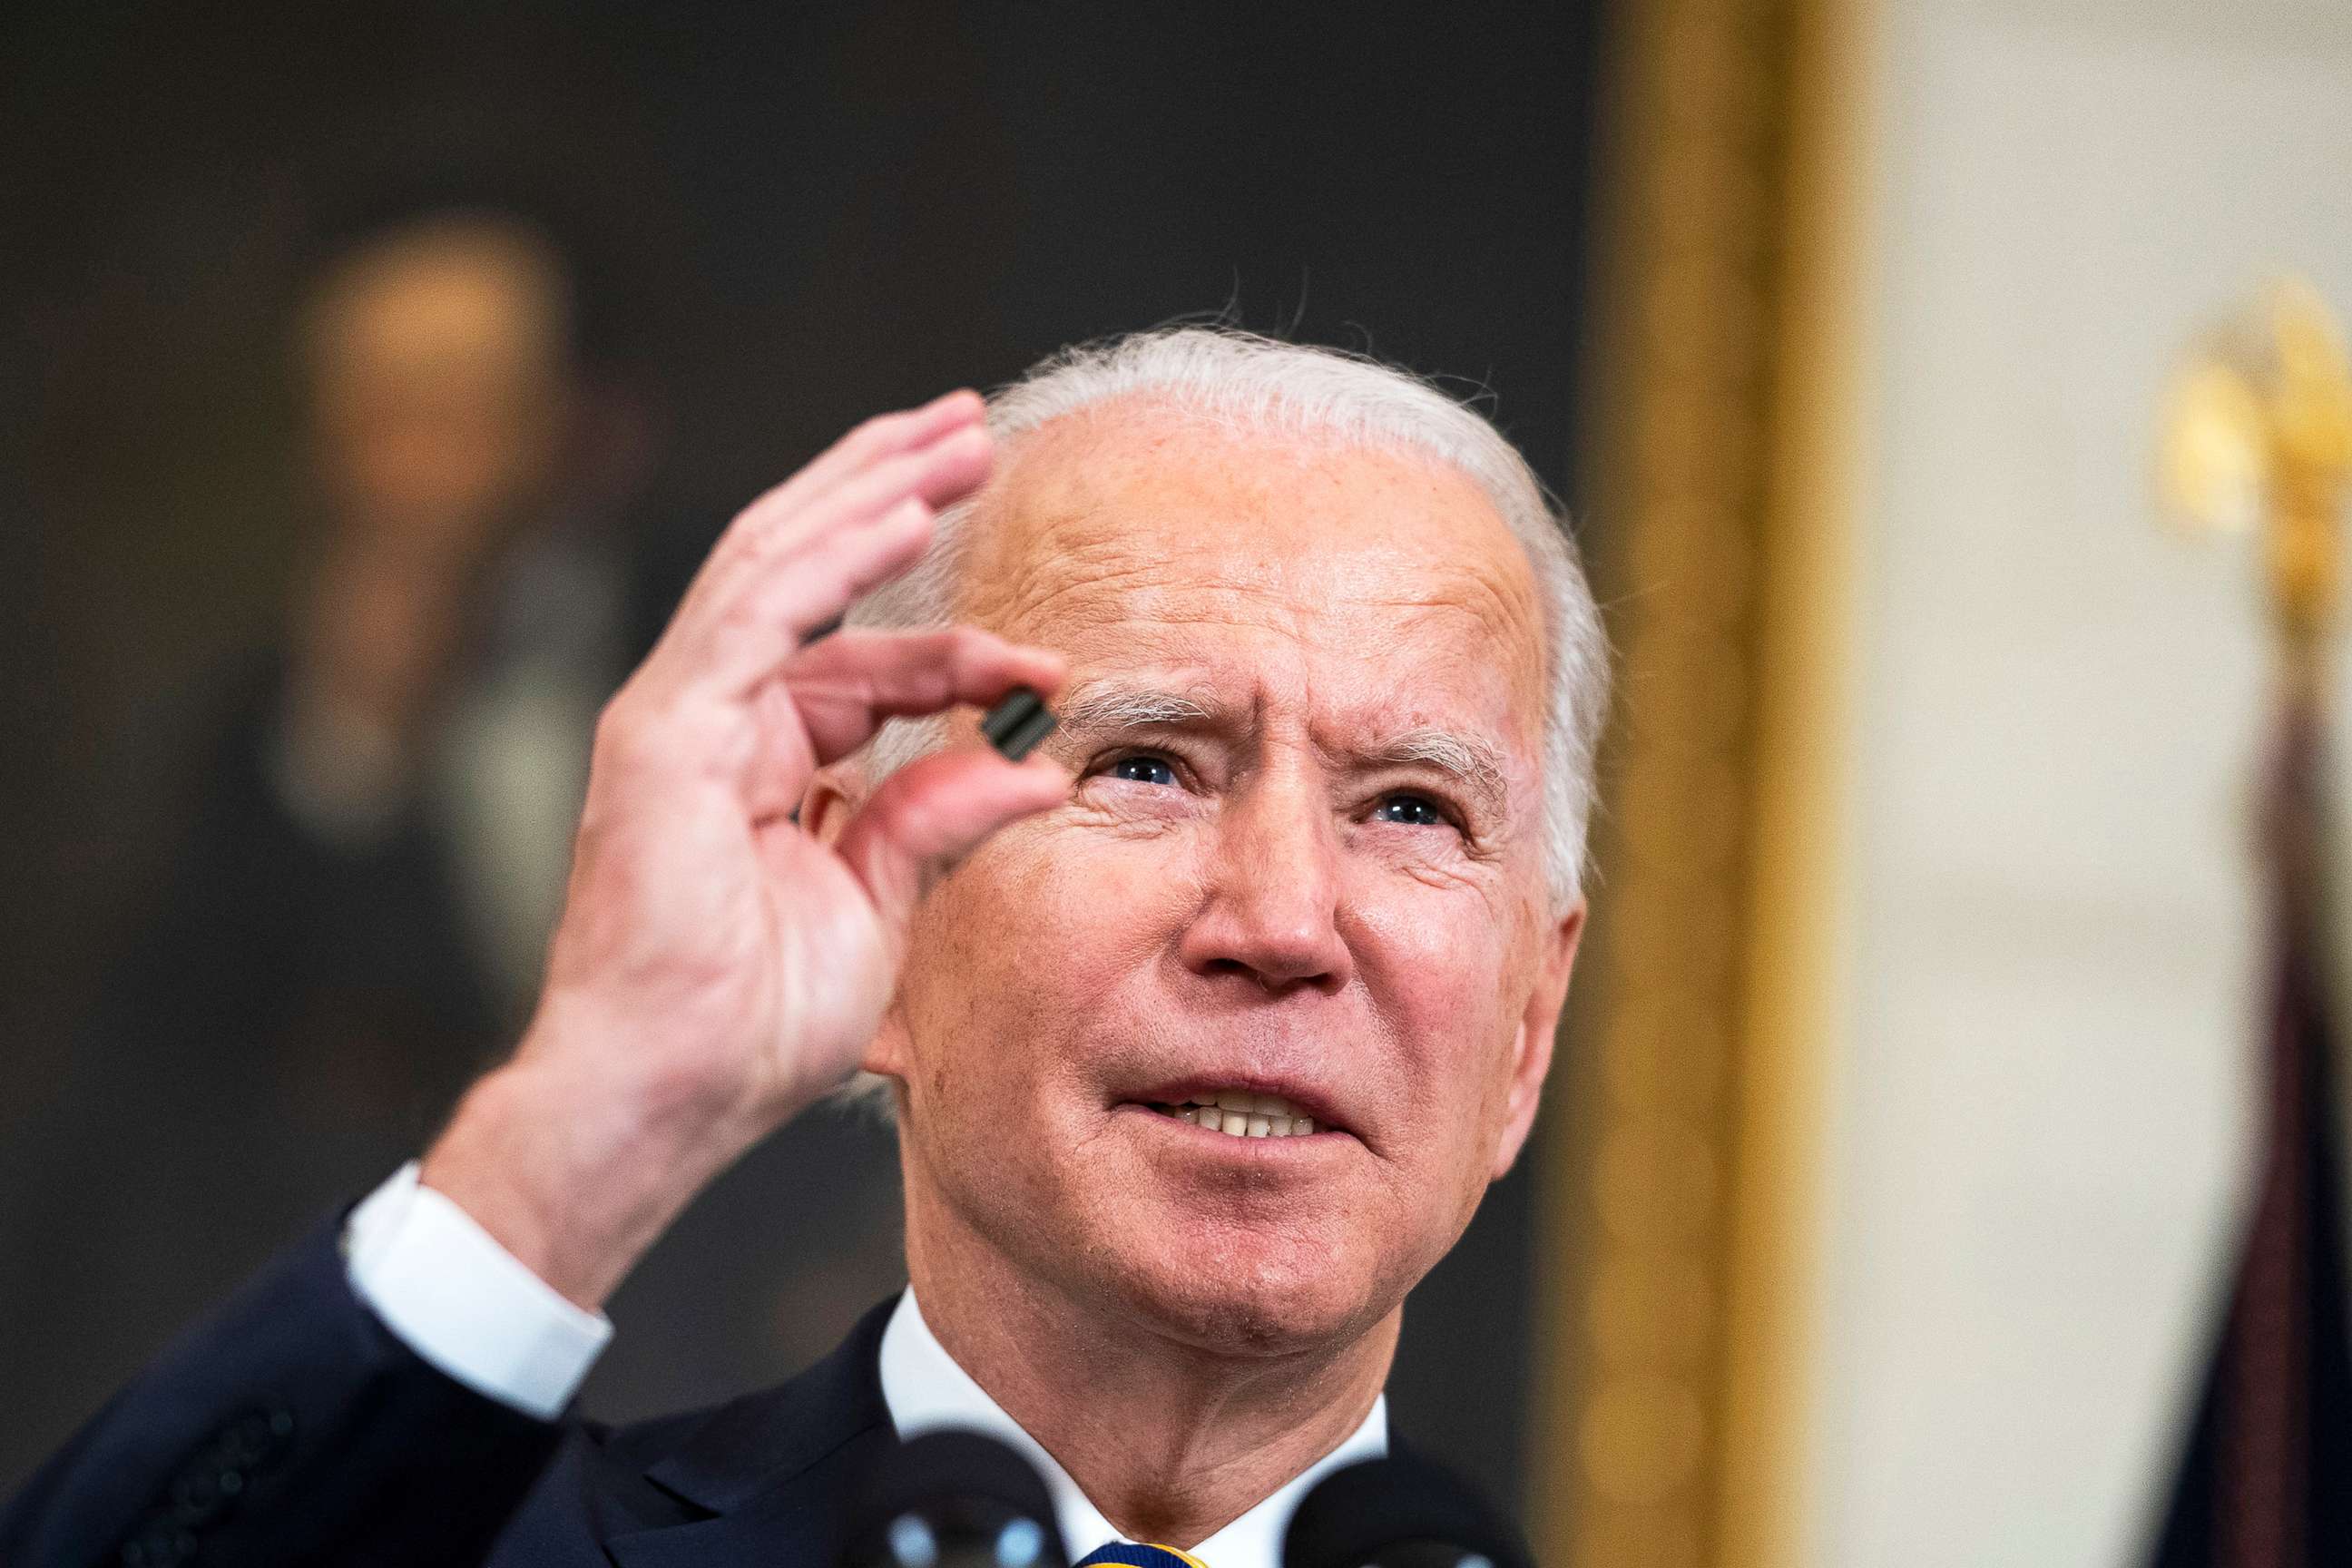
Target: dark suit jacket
point(294, 1428)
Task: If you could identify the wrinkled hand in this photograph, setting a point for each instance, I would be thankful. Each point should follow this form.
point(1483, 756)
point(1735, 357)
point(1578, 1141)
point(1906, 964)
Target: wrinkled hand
point(716, 968)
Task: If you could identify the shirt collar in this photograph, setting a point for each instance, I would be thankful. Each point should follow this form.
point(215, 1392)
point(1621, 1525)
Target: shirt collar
point(925, 1389)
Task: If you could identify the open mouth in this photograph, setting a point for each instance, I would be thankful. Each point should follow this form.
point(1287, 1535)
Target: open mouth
point(1240, 1114)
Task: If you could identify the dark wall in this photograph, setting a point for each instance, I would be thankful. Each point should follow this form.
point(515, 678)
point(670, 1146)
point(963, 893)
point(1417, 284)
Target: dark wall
point(797, 215)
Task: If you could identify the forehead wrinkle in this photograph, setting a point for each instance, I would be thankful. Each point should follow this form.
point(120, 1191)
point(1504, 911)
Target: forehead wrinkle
point(1138, 596)
point(1498, 608)
point(1090, 583)
point(1064, 548)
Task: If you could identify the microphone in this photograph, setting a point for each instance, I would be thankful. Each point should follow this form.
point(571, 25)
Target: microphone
point(953, 1498)
point(1400, 1512)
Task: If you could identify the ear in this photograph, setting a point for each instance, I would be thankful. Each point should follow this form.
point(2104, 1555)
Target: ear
point(888, 1052)
point(831, 798)
point(1531, 1048)
point(826, 805)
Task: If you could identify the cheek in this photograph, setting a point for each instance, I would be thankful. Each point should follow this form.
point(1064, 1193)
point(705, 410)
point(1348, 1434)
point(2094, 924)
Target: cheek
point(1431, 955)
point(1025, 950)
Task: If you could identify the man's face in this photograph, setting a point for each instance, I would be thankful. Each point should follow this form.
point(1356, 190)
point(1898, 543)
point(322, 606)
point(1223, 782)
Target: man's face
point(1302, 860)
point(441, 383)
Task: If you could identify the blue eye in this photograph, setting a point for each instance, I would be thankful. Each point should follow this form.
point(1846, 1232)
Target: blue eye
point(1413, 810)
point(1143, 769)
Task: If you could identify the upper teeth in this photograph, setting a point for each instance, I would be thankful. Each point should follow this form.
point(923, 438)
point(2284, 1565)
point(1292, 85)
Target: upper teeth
point(1241, 1115)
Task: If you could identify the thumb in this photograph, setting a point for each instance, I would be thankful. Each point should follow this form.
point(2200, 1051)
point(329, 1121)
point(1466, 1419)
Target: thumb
point(937, 810)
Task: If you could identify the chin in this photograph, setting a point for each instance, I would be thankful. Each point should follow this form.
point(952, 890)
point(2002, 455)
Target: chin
point(1302, 1298)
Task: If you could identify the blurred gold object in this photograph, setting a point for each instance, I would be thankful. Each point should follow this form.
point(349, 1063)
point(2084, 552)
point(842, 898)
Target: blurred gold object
point(2214, 458)
point(2258, 430)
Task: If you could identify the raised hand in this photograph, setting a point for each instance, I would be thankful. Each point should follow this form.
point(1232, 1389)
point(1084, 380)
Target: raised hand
point(716, 968)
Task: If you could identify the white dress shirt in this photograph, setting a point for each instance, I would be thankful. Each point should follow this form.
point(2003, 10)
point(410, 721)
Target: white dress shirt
point(925, 1389)
point(465, 1304)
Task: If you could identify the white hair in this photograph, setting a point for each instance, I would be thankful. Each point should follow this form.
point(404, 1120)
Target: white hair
point(1254, 383)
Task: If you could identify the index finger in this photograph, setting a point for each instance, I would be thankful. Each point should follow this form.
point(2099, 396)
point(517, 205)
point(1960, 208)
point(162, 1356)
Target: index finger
point(844, 687)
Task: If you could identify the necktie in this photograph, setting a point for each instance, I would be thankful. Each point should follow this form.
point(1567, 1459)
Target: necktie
point(1138, 1555)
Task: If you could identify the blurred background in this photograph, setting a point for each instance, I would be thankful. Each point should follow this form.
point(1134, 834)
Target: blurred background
point(374, 377)
point(377, 375)
point(1955, 1178)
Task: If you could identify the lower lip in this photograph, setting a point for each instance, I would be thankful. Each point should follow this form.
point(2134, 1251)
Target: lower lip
point(1300, 1145)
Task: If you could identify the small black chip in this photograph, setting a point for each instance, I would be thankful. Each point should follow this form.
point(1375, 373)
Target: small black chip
point(1015, 725)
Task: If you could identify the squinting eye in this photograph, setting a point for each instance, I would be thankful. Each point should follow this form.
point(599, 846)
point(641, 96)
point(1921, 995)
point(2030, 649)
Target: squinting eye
point(1413, 810)
point(1143, 770)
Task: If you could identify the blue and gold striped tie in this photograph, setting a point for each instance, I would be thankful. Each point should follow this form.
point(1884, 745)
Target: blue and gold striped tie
point(1138, 1555)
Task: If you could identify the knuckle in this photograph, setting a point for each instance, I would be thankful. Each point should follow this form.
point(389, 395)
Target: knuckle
point(970, 652)
point(614, 721)
point(917, 524)
point(625, 735)
point(870, 434)
point(620, 752)
point(767, 502)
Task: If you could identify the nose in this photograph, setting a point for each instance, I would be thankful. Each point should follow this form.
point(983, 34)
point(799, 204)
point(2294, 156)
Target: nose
point(1272, 909)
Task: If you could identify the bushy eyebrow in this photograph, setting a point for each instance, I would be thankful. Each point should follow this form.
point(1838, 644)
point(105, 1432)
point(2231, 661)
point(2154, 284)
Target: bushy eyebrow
point(1474, 765)
point(1104, 705)
point(1104, 708)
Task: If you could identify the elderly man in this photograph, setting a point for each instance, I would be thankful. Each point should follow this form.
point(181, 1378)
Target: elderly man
point(1206, 1029)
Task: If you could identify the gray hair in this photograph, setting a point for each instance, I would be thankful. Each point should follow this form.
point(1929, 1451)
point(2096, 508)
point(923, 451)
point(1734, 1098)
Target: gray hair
point(1248, 381)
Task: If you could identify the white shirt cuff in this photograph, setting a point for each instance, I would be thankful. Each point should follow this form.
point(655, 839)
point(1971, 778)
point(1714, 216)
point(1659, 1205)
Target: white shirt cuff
point(446, 1287)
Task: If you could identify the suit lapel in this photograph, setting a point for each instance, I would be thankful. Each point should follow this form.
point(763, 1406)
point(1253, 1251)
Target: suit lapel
point(774, 1470)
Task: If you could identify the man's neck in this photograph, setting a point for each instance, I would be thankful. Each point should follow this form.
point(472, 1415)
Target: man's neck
point(1223, 1431)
